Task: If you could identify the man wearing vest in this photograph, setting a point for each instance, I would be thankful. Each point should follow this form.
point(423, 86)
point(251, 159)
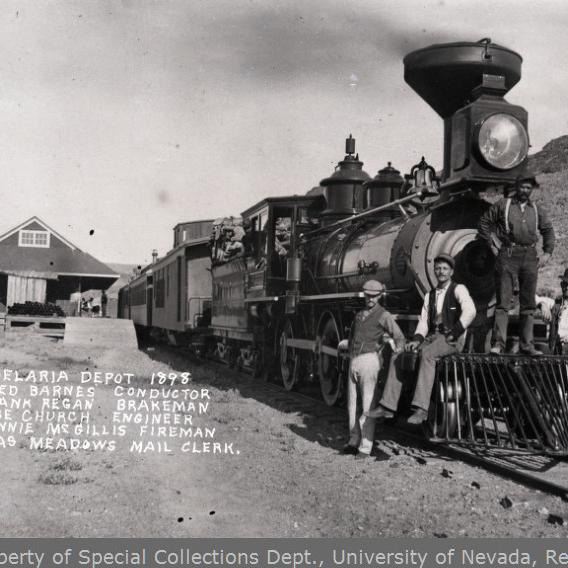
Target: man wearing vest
point(447, 312)
point(516, 222)
point(372, 328)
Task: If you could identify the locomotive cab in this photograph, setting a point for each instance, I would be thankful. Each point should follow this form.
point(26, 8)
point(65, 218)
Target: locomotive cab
point(250, 287)
point(276, 225)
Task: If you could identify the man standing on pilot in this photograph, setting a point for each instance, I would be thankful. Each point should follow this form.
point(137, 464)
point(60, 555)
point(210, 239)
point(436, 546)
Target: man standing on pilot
point(516, 222)
point(447, 312)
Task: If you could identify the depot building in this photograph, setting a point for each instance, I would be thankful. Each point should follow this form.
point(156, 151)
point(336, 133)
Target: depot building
point(37, 264)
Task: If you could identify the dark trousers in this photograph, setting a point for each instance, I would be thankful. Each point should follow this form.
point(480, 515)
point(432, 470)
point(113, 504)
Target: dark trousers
point(434, 347)
point(516, 265)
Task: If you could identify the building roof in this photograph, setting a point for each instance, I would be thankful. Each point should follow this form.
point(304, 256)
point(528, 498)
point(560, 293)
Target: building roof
point(193, 222)
point(57, 257)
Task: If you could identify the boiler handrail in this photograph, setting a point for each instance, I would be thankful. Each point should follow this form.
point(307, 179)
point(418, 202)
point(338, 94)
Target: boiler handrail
point(365, 213)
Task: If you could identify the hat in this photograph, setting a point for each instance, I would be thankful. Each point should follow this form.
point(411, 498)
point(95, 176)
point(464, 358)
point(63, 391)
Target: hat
point(446, 258)
point(373, 288)
point(564, 277)
point(527, 178)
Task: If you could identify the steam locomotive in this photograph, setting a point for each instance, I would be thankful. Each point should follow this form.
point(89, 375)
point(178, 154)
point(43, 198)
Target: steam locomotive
point(282, 304)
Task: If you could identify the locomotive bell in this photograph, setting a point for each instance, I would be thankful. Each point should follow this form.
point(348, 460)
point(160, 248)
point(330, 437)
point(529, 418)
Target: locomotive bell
point(384, 188)
point(424, 178)
point(343, 189)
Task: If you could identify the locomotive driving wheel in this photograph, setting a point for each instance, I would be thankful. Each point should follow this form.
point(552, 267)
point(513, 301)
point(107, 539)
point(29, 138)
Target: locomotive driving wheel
point(289, 357)
point(330, 363)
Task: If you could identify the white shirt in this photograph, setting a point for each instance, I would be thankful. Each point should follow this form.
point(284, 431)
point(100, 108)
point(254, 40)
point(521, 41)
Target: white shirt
point(462, 296)
point(563, 317)
point(563, 323)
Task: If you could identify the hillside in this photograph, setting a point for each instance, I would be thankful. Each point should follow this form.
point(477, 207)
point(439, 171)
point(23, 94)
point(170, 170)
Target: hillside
point(551, 168)
point(553, 158)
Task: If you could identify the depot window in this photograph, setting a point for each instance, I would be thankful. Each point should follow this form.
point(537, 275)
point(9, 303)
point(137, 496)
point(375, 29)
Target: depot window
point(33, 239)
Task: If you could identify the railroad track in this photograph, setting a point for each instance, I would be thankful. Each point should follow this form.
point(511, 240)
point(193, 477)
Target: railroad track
point(544, 473)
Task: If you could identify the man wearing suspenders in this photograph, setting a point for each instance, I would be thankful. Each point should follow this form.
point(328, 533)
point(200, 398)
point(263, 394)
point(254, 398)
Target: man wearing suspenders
point(516, 222)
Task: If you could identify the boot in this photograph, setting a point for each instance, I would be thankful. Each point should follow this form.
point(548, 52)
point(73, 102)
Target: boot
point(362, 456)
point(420, 415)
point(532, 351)
point(349, 450)
point(526, 343)
point(380, 412)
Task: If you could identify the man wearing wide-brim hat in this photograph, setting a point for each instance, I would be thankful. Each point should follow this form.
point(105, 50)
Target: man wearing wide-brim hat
point(516, 222)
point(555, 311)
point(372, 328)
point(447, 312)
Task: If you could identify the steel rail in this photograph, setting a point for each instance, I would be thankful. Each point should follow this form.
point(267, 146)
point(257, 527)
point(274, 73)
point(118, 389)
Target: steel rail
point(491, 464)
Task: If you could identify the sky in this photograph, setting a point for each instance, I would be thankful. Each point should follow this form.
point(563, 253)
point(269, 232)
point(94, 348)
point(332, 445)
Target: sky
point(124, 118)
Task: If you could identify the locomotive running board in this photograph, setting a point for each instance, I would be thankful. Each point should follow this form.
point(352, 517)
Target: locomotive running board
point(505, 402)
point(335, 296)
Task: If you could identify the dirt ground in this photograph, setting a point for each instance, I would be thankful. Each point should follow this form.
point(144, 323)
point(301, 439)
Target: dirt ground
point(288, 480)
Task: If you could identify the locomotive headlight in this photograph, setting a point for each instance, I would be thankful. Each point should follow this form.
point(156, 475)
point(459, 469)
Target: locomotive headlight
point(503, 141)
